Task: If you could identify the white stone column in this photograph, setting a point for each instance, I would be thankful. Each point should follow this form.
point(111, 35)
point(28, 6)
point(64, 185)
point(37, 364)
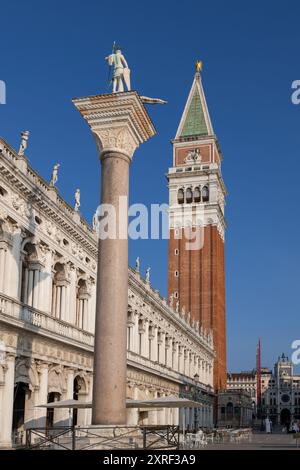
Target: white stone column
point(92, 308)
point(2, 267)
point(58, 302)
point(146, 339)
point(7, 403)
point(36, 288)
point(154, 345)
point(176, 417)
point(135, 333)
point(162, 355)
point(13, 265)
point(66, 416)
point(45, 284)
point(88, 415)
point(132, 414)
point(63, 303)
point(152, 415)
point(30, 287)
point(41, 413)
point(72, 297)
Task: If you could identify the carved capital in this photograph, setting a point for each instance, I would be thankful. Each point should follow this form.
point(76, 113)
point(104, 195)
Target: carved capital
point(116, 139)
point(119, 121)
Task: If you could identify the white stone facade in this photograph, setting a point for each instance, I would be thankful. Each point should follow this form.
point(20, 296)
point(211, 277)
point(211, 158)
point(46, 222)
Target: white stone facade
point(48, 274)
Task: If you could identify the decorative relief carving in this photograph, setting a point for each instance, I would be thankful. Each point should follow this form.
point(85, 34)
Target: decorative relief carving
point(25, 209)
point(193, 156)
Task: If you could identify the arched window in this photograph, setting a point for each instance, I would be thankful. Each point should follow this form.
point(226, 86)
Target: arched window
point(229, 411)
point(197, 194)
point(189, 195)
point(82, 304)
point(205, 194)
point(180, 196)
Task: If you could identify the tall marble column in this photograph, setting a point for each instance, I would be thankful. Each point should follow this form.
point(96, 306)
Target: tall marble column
point(120, 123)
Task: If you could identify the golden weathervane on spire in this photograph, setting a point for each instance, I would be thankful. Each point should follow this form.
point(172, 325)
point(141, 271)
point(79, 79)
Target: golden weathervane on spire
point(199, 65)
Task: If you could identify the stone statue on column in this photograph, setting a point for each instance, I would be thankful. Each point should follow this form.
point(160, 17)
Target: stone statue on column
point(121, 71)
point(77, 200)
point(177, 307)
point(171, 300)
point(23, 145)
point(54, 177)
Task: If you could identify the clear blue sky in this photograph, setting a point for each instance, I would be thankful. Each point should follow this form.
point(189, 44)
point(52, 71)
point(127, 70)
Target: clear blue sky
point(52, 51)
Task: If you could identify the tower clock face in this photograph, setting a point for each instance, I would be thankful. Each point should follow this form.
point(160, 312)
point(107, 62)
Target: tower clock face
point(285, 398)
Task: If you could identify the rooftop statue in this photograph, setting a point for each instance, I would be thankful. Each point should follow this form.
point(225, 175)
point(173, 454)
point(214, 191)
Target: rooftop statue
point(77, 200)
point(54, 177)
point(23, 145)
point(137, 264)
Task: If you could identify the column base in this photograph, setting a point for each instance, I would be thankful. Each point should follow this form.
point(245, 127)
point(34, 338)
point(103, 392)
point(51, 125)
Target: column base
point(106, 437)
point(6, 445)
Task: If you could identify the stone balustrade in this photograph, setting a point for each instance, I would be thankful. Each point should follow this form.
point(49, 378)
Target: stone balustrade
point(35, 319)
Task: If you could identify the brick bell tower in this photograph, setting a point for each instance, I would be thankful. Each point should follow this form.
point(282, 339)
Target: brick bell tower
point(196, 275)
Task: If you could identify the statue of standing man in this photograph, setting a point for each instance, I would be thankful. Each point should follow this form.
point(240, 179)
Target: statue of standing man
point(54, 177)
point(77, 200)
point(121, 72)
point(23, 145)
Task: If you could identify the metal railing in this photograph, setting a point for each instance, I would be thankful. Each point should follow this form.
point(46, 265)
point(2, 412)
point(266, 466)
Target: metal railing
point(97, 437)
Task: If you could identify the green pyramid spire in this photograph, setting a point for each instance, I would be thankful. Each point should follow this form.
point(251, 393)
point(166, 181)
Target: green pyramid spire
point(195, 120)
point(194, 123)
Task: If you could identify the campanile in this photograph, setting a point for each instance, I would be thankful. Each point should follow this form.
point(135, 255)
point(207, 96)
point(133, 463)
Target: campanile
point(196, 274)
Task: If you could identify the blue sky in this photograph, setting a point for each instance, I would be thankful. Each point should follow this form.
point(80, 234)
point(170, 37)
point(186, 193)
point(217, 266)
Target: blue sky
point(52, 51)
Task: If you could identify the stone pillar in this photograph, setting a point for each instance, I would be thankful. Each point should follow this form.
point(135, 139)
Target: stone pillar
point(67, 416)
point(30, 287)
point(13, 274)
point(72, 296)
point(3, 251)
point(154, 344)
point(36, 288)
point(7, 403)
point(41, 413)
point(120, 123)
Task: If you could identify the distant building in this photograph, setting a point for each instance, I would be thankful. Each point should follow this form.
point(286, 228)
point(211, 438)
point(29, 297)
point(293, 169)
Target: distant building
point(234, 408)
point(280, 390)
point(244, 381)
point(281, 393)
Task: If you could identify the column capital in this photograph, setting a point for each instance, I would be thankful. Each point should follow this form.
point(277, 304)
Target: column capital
point(119, 121)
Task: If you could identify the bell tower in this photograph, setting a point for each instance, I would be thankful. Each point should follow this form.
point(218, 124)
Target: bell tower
point(196, 274)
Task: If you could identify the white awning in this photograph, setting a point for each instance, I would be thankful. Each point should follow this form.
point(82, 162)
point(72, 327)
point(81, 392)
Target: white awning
point(161, 402)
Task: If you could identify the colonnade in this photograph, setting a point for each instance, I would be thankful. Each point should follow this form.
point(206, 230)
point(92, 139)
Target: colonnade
point(152, 342)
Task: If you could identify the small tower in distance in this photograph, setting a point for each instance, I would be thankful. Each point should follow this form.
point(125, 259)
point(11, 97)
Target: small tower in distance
point(196, 274)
